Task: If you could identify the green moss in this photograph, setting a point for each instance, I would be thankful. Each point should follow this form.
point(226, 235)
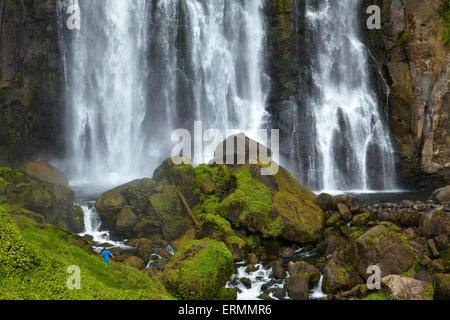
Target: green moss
point(199, 269)
point(404, 36)
point(253, 201)
point(34, 262)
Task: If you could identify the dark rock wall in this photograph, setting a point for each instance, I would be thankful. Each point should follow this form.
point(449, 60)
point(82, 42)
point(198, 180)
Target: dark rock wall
point(415, 62)
point(31, 108)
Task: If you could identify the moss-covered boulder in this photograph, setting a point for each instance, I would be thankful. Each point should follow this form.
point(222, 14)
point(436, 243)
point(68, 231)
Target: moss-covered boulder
point(145, 208)
point(339, 275)
point(383, 246)
point(199, 270)
point(54, 202)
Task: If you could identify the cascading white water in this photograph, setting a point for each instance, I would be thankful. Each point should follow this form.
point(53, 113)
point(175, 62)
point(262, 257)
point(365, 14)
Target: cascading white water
point(106, 91)
point(92, 227)
point(352, 142)
point(225, 42)
point(139, 69)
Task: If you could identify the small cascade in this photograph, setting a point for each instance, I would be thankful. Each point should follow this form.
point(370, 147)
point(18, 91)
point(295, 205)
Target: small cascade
point(317, 292)
point(92, 226)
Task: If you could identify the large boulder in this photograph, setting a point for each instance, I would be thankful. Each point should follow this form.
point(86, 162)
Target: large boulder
point(144, 208)
point(441, 195)
point(382, 246)
point(199, 270)
point(398, 287)
point(298, 286)
point(339, 275)
point(273, 205)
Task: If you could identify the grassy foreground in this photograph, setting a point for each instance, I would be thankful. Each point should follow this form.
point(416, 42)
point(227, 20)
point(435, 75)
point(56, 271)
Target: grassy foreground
point(34, 264)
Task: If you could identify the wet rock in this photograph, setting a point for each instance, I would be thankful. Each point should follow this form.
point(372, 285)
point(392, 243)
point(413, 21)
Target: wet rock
point(278, 269)
point(246, 282)
point(278, 293)
point(306, 268)
point(251, 268)
point(298, 286)
point(398, 287)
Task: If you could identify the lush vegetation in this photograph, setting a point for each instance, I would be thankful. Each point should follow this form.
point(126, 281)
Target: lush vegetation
point(34, 263)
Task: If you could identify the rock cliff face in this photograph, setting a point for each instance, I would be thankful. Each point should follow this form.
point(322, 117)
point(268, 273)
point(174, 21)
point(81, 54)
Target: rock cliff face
point(415, 62)
point(31, 110)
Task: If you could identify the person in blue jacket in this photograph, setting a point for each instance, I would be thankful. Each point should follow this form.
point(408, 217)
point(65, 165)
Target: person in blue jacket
point(106, 254)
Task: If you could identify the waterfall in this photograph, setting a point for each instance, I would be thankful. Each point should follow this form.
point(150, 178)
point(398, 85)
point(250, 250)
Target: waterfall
point(139, 69)
point(353, 148)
